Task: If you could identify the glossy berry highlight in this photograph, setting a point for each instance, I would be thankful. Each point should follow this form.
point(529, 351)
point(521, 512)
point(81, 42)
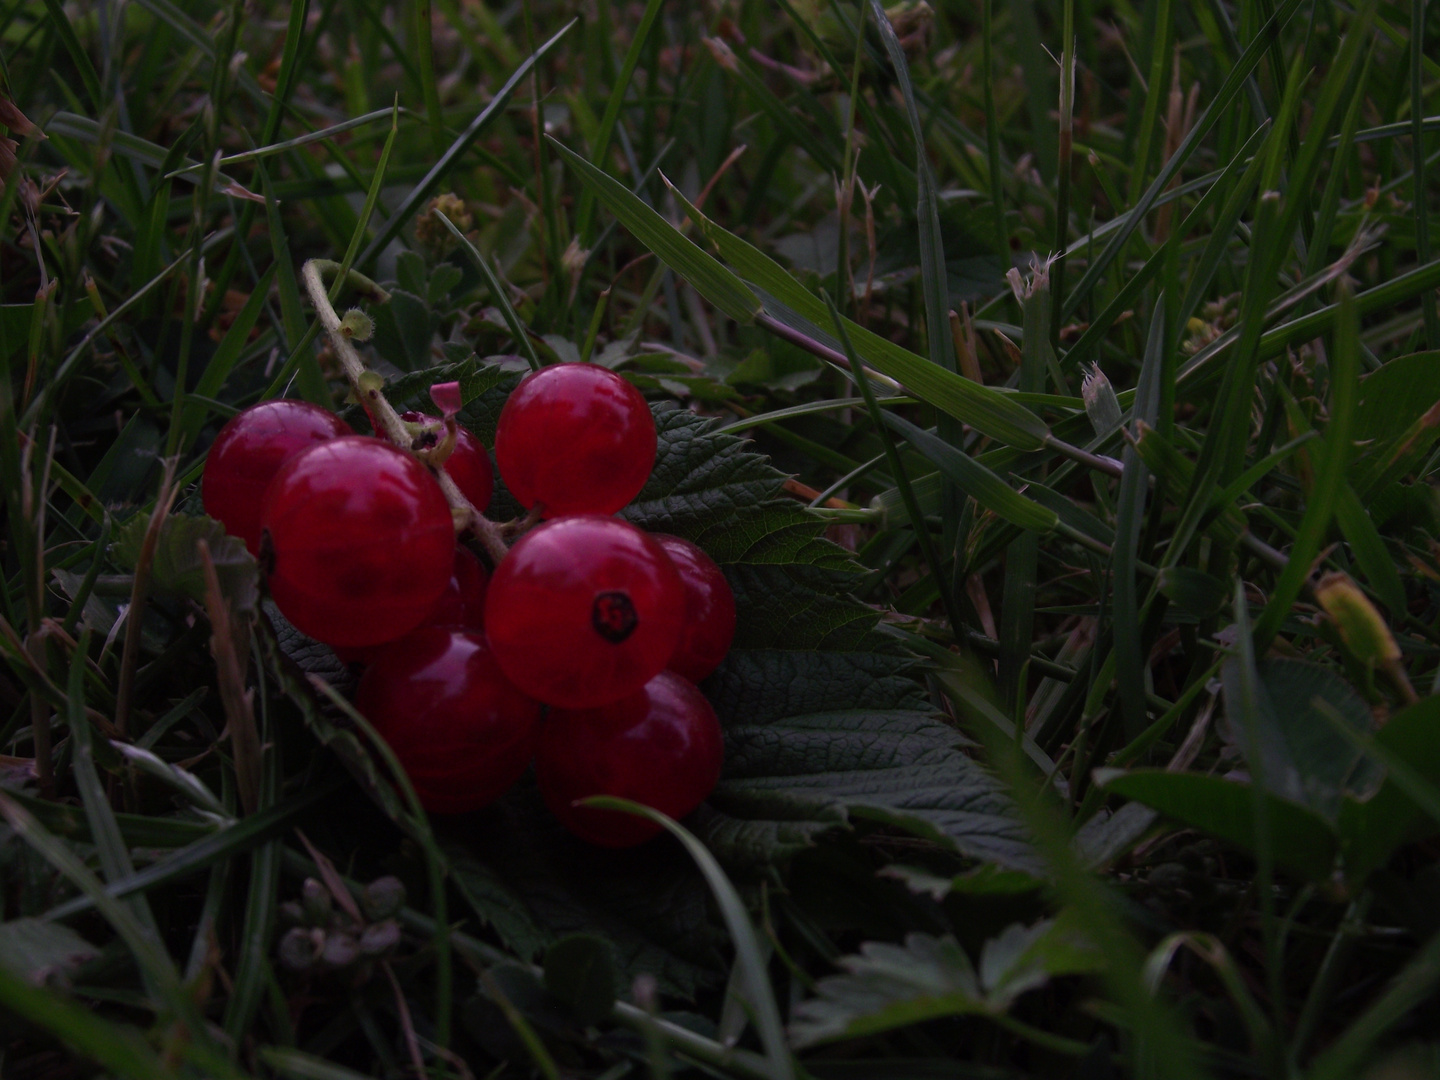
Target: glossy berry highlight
point(575, 438)
point(359, 542)
point(463, 733)
point(584, 610)
point(661, 747)
point(248, 452)
point(709, 609)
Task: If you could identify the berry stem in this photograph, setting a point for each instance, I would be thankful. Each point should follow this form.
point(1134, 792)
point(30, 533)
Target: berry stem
point(382, 413)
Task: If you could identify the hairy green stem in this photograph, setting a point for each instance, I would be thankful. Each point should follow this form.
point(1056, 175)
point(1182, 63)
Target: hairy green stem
point(381, 411)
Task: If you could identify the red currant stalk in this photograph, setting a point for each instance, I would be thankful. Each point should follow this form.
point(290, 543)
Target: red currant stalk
point(367, 391)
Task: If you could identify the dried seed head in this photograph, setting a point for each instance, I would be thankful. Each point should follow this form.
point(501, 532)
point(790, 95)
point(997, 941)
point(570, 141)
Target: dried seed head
point(1101, 404)
point(383, 898)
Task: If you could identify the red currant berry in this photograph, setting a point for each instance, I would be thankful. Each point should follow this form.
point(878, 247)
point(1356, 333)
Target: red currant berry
point(461, 606)
point(461, 731)
point(248, 452)
point(360, 541)
point(709, 610)
point(468, 464)
point(660, 747)
point(584, 610)
point(575, 438)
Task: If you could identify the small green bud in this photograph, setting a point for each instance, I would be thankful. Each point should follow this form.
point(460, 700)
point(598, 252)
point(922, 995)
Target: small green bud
point(357, 326)
point(1362, 628)
point(371, 382)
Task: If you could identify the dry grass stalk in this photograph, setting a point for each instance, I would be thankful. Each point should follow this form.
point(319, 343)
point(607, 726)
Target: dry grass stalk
point(230, 671)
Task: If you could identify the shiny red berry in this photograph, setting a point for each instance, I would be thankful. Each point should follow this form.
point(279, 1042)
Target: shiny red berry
point(468, 464)
point(461, 606)
point(660, 747)
point(360, 542)
point(575, 438)
point(248, 452)
point(460, 729)
point(584, 610)
point(709, 609)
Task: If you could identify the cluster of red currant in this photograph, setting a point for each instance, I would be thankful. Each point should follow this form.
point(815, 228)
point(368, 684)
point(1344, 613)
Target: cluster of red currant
point(606, 625)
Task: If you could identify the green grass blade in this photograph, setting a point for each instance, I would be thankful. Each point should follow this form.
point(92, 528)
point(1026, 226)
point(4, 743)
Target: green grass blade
point(285, 145)
point(60, 25)
point(498, 291)
point(119, 1048)
point(303, 1066)
point(585, 217)
point(1222, 100)
point(1416, 981)
point(372, 197)
point(426, 187)
point(226, 843)
point(44, 400)
point(902, 479)
point(1329, 474)
point(711, 279)
point(252, 968)
point(992, 134)
point(1370, 552)
point(425, 63)
point(1226, 220)
point(975, 479)
point(292, 314)
point(1130, 510)
point(1247, 711)
point(110, 846)
point(149, 956)
point(435, 864)
point(212, 379)
point(780, 1066)
point(1344, 145)
point(1420, 201)
point(1273, 342)
point(188, 29)
point(933, 285)
point(809, 408)
point(987, 410)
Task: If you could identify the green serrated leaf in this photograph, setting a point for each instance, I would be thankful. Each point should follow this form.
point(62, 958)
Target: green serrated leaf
point(1304, 842)
point(288, 655)
point(177, 567)
point(580, 971)
point(535, 883)
point(404, 328)
point(888, 986)
point(714, 490)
